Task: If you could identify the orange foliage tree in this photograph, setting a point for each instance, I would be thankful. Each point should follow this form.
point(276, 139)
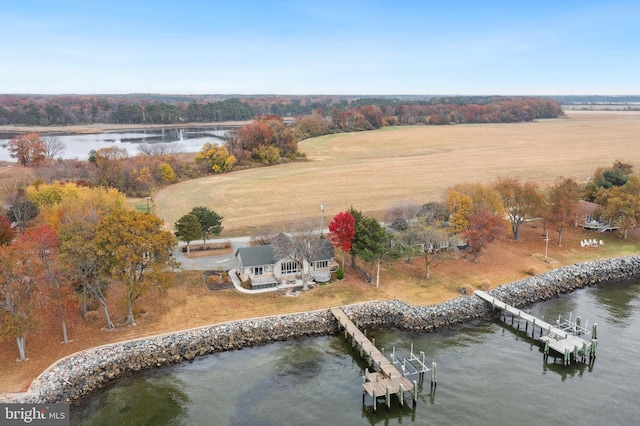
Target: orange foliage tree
point(28, 149)
point(21, 294)
point(521, 200)
point(564, 197)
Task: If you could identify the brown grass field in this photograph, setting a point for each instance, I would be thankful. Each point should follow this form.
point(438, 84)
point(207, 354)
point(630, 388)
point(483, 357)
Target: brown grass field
point(371, 170)
point(414, 156)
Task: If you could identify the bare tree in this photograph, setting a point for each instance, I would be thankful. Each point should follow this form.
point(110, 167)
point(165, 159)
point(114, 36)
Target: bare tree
point(263, 235)
point(403, 210)
point(21, 210)
point(437, 245)
point(301, 245)
point(54, 147)
point(16, 183)
point(159, 149)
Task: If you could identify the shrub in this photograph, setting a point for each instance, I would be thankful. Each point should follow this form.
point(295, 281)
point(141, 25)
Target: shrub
point(340, 274)
point(92, 316)
point(167, 172)
point(213, 279)
point(533, 271)
point(485, 285)
point(466, 290)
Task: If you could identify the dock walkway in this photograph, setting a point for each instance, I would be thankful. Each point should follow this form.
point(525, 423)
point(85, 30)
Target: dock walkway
point(558, 339)
point(386, 375)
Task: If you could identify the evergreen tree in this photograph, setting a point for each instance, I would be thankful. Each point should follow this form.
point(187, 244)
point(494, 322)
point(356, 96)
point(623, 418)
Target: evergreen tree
point(187, 229)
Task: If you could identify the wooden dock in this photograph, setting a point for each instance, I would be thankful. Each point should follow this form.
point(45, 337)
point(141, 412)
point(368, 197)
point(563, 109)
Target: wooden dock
point(563, 339)
point(386, 380)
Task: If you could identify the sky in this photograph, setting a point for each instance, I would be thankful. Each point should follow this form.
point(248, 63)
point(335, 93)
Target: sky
point(304, 47)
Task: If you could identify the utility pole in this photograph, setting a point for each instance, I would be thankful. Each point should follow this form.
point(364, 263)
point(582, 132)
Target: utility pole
point(546, 246)
point(322, 218)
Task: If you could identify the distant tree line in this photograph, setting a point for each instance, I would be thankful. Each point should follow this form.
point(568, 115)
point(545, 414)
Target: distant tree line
point(269, 139)
point(345, 112)
point(597, 99)
point(52, 114)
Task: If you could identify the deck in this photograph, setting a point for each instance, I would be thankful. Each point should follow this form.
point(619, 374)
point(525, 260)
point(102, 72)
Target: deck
point(599, 226)
point(561, 339)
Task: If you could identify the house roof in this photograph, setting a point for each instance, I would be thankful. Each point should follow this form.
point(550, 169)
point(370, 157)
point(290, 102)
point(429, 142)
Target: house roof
point(587, 207)
point(264, 255)
point(326, 250)
point(255, 256)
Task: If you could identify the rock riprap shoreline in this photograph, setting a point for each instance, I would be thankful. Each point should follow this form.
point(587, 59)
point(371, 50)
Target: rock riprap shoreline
point(74, 377)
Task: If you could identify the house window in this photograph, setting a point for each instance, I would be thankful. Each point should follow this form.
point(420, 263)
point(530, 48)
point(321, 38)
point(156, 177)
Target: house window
point(322, 264)
point(258, 270)
point(289, 267)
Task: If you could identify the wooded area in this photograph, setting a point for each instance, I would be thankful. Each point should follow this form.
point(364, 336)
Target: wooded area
point(47, 110)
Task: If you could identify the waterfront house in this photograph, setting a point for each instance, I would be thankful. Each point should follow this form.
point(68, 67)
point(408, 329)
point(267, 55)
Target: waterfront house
point(260, 266)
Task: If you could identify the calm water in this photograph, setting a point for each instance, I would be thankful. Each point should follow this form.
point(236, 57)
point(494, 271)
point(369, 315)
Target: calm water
point(78, 146)
point(488, 374)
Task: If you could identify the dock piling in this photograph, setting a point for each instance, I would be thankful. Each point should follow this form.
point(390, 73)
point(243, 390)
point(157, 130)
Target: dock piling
point(434, 376)
point(388, 397)
point(533, 328)
point(546, 349)
point(594, 340)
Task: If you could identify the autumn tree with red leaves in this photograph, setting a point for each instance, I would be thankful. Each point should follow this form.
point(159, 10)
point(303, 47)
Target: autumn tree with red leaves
point(45, 244)
point(484, 227)
point(342, 229)
point(373, 115)
point(266, 140)
point(7, 233)
point(254, 135)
